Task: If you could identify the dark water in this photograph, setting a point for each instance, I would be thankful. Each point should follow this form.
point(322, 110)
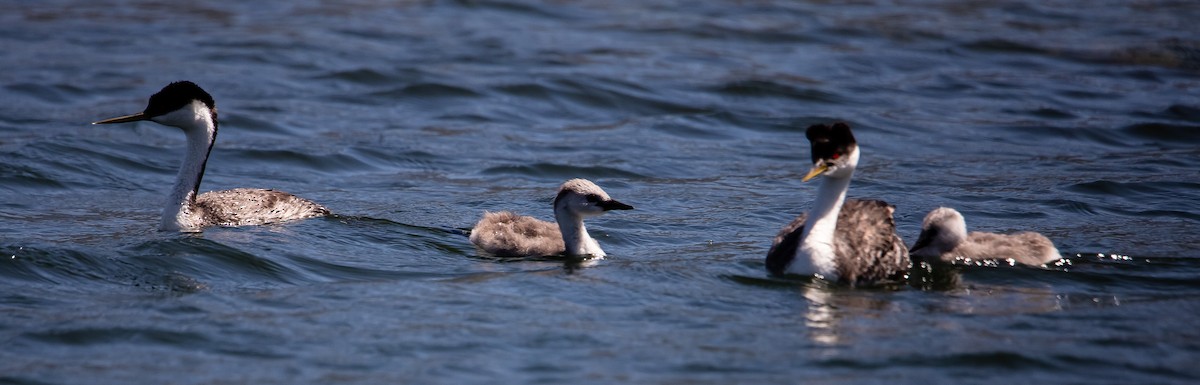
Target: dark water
point(1080, 120)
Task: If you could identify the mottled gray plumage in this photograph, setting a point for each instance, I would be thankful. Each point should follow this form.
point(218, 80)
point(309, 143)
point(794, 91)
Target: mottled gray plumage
point(866, 244)
point(944, 238)
point(506, 234)
point(250, 207)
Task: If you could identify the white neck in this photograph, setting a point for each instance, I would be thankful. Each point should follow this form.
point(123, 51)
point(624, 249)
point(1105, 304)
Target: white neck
point(575, 235)
point(197, 123)
point(816, 254)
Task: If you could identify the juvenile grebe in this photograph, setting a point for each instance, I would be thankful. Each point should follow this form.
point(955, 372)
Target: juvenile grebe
point(852, 241)
point(185, 105)
point(507, 234)
point(944, 237)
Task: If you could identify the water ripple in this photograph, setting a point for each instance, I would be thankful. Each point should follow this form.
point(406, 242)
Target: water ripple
point(412, 118)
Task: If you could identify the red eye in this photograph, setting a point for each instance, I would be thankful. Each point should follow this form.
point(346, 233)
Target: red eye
point(836, 155)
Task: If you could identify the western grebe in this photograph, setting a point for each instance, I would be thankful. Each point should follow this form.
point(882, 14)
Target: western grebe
point(185, 105)
point(510, 235)
point(944, 237)
point(852, 241)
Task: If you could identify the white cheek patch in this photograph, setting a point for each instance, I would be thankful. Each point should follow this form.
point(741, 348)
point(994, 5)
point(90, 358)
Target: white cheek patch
point(195, 114)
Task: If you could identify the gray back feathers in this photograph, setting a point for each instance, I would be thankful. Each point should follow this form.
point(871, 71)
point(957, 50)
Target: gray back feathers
point(505, 234)
point(866, 244)
point(944, 238)
point(250, 207)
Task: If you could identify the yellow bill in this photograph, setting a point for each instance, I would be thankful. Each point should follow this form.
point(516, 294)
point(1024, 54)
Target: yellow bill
point(815, 172)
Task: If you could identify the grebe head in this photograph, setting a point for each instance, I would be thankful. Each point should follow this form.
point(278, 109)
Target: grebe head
point(941, 231)
point(180, 104)
point(834, 151)
point(582, 198)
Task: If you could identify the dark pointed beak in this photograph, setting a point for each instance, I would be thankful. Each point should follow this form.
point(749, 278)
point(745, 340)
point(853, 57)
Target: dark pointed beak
point(124, 119)
point(613, 205)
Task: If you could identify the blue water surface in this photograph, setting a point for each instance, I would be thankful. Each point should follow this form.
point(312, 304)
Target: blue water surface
point(409, 119)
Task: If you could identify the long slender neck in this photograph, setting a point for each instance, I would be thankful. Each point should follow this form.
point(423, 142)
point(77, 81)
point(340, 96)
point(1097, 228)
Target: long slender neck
point(819, 229)
point(823, 215)
point(180, 211)
point(575, 235)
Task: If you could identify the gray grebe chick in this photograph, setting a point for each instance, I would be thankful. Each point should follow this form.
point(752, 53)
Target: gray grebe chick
point(852, 241)
point(185, 105)
point(506, 234)
point(944, 237)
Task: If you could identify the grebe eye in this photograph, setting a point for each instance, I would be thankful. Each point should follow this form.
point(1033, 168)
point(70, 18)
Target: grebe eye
point(836, 155)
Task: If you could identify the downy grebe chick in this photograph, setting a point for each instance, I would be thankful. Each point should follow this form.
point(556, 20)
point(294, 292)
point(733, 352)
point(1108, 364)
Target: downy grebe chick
point(185, 105)
point(852, 241)
point(944, 238)
point(506, 234)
